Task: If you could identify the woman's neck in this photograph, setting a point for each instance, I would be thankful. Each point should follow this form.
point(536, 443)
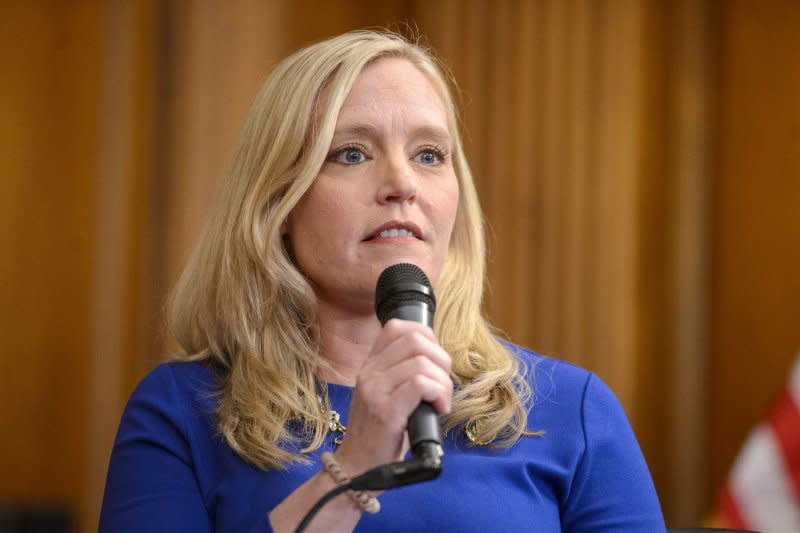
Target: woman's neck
point(345, 341)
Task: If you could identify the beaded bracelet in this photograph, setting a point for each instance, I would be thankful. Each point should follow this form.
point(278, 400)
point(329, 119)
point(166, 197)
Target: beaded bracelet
point(361, 498)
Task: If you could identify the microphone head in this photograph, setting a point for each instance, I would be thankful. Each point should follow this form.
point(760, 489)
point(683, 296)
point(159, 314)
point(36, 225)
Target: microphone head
point(402, 284)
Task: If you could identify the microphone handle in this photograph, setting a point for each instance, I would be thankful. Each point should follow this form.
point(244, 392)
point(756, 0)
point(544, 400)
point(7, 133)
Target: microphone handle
point(423, 423)
point(423, 426)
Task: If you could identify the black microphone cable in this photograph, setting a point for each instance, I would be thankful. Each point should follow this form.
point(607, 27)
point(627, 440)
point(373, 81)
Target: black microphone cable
point(383, 477)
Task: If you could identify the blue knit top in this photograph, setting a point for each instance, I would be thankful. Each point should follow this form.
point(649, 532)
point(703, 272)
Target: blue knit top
point(170, 469)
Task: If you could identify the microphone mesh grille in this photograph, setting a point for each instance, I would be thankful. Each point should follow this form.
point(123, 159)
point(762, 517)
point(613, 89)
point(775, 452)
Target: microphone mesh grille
point(392, 288)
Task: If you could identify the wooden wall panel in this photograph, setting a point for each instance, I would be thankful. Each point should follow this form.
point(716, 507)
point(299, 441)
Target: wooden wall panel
point(689, 152)
point(50, 129)
point(755, 286)
point(126, 295)
point(672, 260)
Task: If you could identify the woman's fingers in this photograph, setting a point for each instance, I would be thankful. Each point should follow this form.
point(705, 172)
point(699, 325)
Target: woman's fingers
point(422, 379)
point(396, 328)
point(419, 388)
point(406, 350)
point(401, 340)
point(395, 393)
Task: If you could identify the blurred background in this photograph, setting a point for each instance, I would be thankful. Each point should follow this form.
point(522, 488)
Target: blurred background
point(638, 163)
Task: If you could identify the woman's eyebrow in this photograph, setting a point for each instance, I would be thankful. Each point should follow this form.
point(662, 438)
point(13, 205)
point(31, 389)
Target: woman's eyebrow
point(434, 133)
point(356, 130)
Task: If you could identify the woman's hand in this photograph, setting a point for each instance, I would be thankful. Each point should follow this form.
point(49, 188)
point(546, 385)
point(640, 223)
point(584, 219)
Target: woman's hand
point(405, 367)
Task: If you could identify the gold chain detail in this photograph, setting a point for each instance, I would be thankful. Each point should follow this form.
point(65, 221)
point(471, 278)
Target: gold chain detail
point(335, 425)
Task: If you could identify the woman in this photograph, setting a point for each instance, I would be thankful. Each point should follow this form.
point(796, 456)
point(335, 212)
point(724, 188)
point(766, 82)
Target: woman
point(351, 161)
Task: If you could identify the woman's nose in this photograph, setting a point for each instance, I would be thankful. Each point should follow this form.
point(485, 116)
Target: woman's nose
point(399, 184)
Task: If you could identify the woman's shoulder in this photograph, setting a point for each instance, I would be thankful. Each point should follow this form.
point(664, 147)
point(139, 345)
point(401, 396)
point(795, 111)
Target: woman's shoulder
point(584, 424)
point(183, 377)
point(176, 390)
point(549, 375)
point(562, 391)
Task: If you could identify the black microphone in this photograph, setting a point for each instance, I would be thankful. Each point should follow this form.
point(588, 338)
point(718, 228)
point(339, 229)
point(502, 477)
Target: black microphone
point(404, 291)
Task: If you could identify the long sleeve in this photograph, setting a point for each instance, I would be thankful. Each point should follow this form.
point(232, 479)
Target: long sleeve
point(612, 489)
point(152, 484)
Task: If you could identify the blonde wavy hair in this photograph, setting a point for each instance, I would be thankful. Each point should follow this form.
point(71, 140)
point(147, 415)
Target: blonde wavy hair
point(243, 306)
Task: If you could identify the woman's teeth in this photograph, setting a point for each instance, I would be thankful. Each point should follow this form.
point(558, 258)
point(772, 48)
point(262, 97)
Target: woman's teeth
point(393, 233)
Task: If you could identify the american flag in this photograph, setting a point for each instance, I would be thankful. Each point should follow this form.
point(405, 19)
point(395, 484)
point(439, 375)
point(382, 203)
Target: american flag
point(762, 492)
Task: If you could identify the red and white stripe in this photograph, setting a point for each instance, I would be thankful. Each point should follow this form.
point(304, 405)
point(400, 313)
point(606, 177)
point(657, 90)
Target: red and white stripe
point(763, 490)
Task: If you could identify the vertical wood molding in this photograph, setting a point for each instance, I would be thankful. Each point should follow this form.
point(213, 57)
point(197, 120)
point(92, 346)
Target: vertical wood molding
point(690, 87)
point(122, 277)
point(111, 255)
point(577, 177)
point(614, 146)
point(525, 139)
point(553, 73)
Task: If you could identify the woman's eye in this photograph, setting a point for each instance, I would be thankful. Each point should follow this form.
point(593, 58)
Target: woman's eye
point(429, 157)
point(349, 156)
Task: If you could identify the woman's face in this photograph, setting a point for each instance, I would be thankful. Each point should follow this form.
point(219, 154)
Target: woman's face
point(387, 192)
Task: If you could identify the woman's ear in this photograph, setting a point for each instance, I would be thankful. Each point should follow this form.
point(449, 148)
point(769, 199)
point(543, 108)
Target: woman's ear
point(287, 248)
point(286, 241)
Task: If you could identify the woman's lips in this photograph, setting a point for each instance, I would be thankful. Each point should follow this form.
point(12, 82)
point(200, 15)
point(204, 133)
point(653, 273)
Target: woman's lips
point(395, 230)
